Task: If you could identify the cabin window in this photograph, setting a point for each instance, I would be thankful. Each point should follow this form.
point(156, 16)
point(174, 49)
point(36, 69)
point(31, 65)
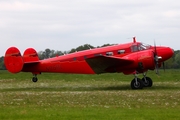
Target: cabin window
point(98, 55)
point(109, 53)
point(134, 48)
point(74, 59)
point(121, 51)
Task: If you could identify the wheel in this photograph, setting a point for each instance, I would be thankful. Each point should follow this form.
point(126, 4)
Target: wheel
point(138, 85)
point(148, 82)
point(34, 79)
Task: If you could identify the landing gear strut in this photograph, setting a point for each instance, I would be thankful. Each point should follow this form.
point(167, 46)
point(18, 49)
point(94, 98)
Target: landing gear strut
point(35, 79)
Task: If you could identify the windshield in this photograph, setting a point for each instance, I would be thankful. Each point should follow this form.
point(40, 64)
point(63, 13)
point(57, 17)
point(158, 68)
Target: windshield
point(143, 46)
point(139, 47)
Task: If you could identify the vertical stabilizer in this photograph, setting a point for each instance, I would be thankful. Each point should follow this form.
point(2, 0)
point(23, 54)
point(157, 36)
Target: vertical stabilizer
point(13, 60)
point(30, 55)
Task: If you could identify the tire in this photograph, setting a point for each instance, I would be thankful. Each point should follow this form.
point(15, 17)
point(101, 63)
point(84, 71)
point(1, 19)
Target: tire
point(139, 84)
point(34, 79)
point(148, 82)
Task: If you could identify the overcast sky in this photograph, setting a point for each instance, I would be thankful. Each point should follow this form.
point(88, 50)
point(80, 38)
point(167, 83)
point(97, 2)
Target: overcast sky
point(65, 24)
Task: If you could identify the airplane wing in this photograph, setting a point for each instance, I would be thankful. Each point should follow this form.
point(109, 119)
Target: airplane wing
point(101, 63)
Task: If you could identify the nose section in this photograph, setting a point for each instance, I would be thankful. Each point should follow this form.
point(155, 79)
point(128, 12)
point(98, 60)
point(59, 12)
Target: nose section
point(165, 53)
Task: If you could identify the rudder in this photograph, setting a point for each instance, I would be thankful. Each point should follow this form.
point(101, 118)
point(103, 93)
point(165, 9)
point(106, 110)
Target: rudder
point(30, 55)
point(13, 60)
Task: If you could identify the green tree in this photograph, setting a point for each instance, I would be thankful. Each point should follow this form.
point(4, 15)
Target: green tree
point(169, 63)
point(177, 60)
point(81, 48)
point(48, 53)
point(2, 66)
point(105, 45)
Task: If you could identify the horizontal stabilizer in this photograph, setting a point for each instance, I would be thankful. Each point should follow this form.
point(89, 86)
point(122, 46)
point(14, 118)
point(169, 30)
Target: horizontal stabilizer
point(101, 63)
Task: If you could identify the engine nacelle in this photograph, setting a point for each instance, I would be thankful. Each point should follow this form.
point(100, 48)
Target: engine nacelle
point(145, 61)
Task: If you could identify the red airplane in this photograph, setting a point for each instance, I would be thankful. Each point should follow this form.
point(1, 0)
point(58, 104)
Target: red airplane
point(130, 58)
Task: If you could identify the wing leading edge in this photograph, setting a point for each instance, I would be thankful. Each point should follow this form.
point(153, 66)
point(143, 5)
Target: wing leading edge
point(100, 64)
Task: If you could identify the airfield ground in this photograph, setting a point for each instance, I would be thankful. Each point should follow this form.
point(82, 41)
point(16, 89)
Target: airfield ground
point(81, 97)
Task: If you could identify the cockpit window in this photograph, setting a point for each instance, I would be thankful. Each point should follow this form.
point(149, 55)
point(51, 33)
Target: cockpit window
point(139, 47)
point(143, 46)
point(134, 48)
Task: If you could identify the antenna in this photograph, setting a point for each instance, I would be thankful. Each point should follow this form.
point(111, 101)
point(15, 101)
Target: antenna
point(88, 46)
point(134, 39)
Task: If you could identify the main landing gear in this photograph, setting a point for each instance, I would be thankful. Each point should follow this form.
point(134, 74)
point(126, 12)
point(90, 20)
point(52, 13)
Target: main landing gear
point(138, 83)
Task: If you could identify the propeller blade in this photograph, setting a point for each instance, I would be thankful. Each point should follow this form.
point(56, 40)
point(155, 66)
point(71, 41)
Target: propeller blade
point(157, 69)
point(156, 59)
point(164, 66)
point(155, 50)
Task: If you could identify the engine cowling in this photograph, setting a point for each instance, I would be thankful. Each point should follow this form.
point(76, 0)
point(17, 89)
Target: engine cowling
point(146, 61)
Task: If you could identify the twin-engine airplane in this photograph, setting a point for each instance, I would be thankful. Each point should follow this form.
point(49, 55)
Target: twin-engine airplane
point(130, 58)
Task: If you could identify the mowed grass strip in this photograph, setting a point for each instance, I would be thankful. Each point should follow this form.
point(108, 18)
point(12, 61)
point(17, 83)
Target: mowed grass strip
point(106, 96)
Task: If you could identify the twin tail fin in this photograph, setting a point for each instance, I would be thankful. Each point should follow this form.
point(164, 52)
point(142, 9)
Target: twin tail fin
point(14, 61)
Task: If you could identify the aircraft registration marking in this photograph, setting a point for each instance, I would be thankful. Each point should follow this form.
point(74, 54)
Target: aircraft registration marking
point(144, 57)
point(53, 67)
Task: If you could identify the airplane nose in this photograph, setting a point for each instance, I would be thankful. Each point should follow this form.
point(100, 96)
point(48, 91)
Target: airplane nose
point(170, 52)
point(165, 53)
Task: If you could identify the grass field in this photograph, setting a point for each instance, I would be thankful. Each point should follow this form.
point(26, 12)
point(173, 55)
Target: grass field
point(88, 97)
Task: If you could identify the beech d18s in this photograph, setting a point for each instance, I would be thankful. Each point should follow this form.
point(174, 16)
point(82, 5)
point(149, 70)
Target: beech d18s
point(130, 58)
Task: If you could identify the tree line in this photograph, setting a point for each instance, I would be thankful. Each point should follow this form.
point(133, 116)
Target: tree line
point(48, 53)
point(172, 63)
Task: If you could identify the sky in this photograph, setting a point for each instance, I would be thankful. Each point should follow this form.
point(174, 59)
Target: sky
point(66, 24)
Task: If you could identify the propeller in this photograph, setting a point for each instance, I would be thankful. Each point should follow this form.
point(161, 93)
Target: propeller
point(156, 59)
